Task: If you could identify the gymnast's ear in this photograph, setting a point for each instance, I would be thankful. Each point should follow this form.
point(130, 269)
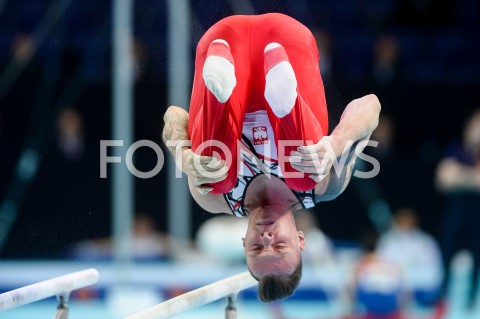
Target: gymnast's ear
point(243, 241)
point(301, 239)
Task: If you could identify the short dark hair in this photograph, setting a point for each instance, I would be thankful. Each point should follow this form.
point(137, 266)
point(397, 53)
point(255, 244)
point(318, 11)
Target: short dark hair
point(369, 241)
point(273, 287)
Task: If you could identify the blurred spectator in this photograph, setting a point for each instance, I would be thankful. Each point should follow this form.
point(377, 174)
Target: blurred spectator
point(386, 52)
point(70, 134)
point(319, 250)
point(378, 288)
point(458, 178)
point(384, 134)
point(150, 91)
point(140, 60)
point(23, 47)
point(417, 255)
point(148, 244)
point(219, 239)
point(319, 254)
point(387, 74)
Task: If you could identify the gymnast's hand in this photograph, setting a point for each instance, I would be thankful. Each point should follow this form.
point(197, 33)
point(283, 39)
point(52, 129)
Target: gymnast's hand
point(202, 170)
point(357, 123)
point(317, 159)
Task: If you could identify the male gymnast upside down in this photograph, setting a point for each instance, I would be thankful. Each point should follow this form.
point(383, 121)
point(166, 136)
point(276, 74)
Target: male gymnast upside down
point(258, 116)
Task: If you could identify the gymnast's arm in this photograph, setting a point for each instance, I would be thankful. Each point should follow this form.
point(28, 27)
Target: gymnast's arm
point(175, 136)
point(333, 185)
point(357, 123)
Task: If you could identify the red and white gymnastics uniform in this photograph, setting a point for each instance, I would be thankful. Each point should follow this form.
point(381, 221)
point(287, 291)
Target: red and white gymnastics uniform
point(246, 115)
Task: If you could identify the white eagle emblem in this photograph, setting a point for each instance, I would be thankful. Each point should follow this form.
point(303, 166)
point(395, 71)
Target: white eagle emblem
point(260, 135)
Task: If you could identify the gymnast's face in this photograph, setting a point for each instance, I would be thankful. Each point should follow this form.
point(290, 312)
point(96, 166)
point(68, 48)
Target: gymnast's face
point(272, 243)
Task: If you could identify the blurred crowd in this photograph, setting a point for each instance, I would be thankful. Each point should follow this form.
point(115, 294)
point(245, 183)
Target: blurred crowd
point(421, 58)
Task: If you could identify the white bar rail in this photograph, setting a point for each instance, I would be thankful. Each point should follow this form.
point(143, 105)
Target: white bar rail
point(48, 288)
point(198, 297)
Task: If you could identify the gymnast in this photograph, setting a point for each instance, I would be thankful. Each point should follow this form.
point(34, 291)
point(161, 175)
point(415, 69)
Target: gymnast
point(255, 142)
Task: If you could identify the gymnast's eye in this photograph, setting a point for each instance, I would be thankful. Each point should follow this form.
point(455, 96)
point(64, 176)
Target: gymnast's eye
point(256, 248)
